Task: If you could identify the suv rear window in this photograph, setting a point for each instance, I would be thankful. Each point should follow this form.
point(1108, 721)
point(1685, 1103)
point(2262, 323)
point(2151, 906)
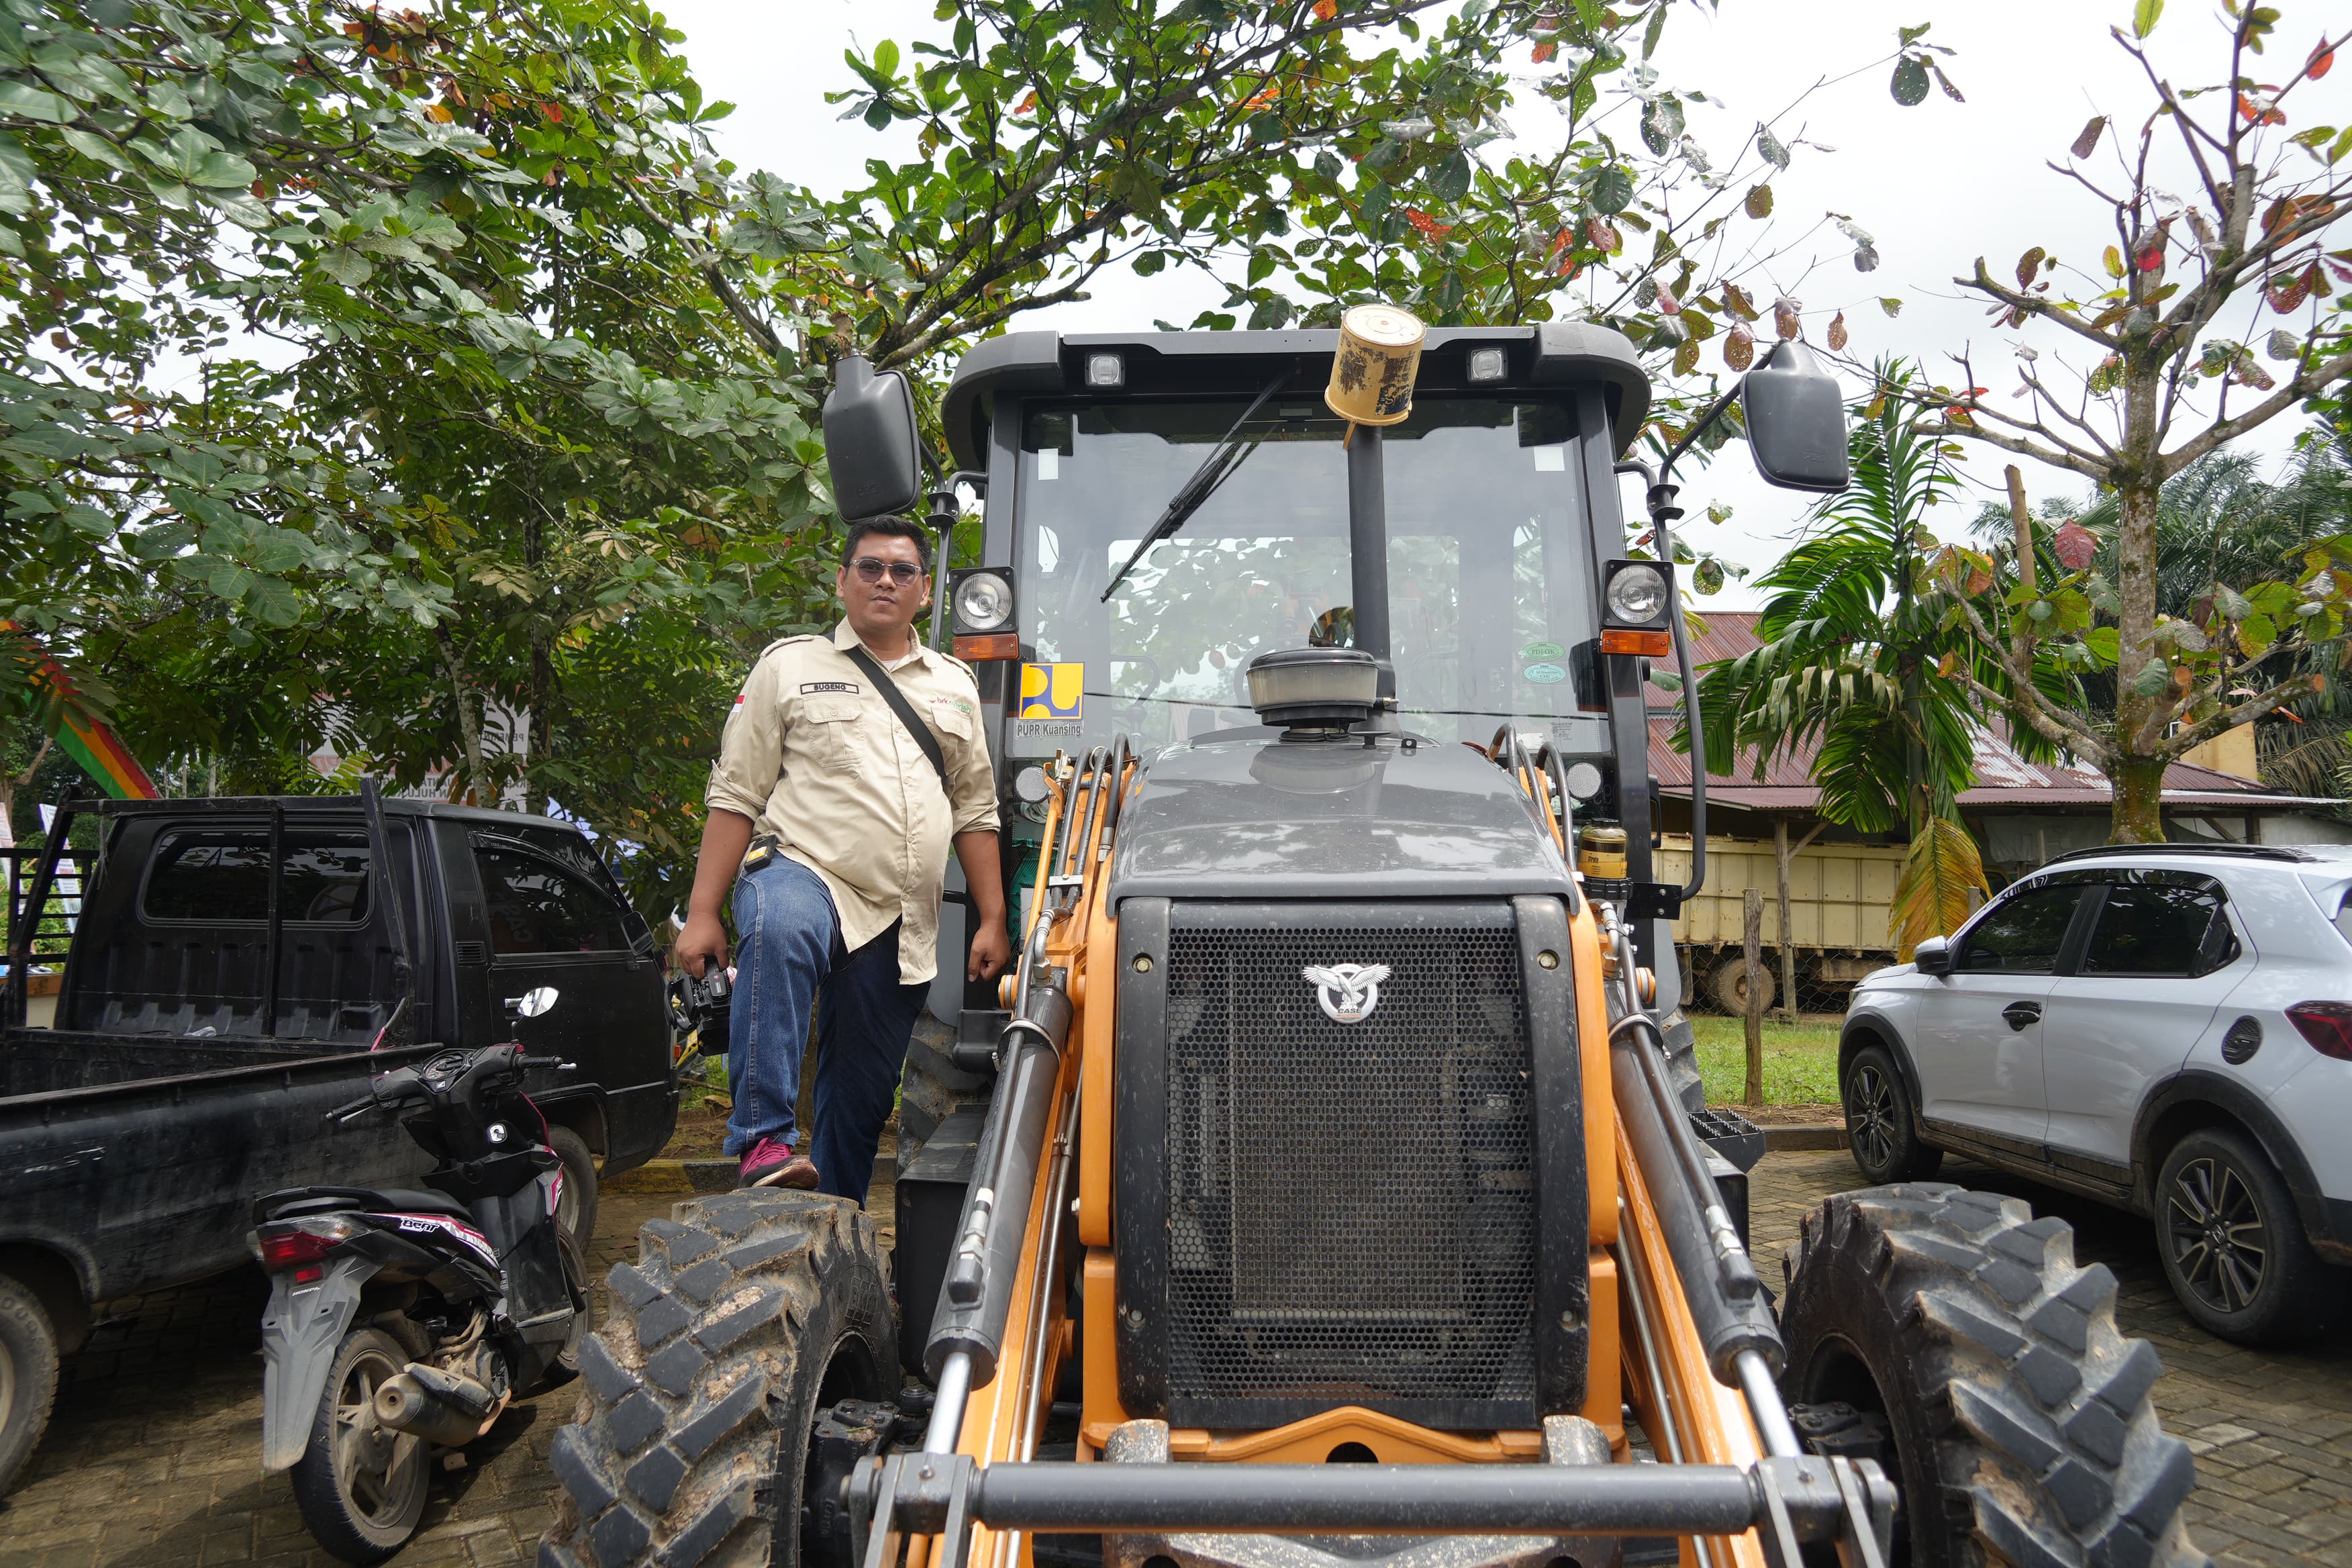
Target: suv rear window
point(221, 875)
point(2161, 924)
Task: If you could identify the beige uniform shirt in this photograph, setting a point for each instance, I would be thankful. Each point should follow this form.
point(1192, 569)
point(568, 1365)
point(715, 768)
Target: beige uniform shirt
point(813, 754)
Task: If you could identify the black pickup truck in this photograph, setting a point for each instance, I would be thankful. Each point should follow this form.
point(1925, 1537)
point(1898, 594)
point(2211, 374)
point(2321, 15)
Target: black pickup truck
point(238, 966)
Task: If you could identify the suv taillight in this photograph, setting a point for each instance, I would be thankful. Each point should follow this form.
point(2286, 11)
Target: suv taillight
point(2327, 1024)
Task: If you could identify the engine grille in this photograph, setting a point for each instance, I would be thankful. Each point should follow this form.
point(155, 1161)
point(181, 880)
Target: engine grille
point(1350, 1207)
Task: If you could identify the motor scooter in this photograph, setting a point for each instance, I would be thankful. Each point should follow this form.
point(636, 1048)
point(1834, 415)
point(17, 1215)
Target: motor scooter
point(401, 1321)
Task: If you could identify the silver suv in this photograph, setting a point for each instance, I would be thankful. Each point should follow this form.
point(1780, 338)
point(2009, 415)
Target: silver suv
point(2164, 1027)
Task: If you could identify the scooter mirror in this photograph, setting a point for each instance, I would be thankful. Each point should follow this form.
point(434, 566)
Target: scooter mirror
point(533, 1002)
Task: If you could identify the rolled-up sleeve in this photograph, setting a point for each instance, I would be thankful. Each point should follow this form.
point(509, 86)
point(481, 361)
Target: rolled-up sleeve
point(971, 790)
point(751, 750)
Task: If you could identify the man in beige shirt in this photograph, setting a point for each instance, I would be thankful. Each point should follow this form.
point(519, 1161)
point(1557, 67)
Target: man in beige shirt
point(847, 821)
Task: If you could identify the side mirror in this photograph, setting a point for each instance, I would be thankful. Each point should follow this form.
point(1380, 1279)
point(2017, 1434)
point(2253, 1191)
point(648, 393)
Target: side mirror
point(1933, 956)
point(1796, 421)
point(870, 441)
point(533, 1002)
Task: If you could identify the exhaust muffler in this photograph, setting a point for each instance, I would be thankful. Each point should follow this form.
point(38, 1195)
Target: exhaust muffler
point(438, 1407)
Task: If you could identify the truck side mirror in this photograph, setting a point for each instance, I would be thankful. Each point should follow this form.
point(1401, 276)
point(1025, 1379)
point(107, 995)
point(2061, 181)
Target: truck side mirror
point(1796, 421)
point(870, 441)
point(1933, 956)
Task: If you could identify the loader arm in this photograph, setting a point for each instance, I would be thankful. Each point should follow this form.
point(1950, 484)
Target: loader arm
point(1646, 1347)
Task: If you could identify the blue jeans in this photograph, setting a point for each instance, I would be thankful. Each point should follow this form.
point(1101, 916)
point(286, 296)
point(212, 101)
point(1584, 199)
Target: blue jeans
point(787, 945)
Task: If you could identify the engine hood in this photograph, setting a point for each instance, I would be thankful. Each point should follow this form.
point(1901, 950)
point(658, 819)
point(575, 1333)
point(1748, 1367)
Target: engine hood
point(1253, 817)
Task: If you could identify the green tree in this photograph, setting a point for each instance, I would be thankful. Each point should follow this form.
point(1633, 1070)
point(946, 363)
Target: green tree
point(2171, 384)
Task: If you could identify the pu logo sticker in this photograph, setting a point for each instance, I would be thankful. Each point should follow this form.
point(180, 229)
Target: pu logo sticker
point(1052, 690)
point(1348, 992)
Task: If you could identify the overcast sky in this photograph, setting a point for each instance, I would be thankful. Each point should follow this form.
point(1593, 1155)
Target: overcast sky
point(1937, 184)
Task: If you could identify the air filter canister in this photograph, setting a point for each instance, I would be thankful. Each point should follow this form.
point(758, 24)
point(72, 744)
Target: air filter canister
point(1372, 374)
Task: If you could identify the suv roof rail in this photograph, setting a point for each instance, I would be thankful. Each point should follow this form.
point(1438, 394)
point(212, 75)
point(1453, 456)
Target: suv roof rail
point(2240, 851)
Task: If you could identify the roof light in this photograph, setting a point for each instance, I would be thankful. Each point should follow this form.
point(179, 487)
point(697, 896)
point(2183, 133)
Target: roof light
point(1106, 372)
point(1488, 364)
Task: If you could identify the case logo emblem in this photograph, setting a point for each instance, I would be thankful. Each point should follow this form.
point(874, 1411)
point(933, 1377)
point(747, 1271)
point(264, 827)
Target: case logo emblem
point(1348, 992)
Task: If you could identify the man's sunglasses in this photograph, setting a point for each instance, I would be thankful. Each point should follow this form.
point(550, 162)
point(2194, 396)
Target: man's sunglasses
point(871, 567)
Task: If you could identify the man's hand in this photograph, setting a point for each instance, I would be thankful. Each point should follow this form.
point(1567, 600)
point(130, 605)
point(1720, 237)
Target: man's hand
point(702, 943)
point(991, 950)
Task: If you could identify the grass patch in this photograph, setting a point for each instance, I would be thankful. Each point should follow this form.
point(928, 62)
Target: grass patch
point(1800, 1061)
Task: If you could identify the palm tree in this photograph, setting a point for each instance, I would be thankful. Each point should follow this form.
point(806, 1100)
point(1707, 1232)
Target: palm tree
point(1855, 659)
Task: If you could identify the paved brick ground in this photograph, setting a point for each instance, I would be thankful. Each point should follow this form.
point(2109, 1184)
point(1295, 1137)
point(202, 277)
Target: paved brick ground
point(153, 1460)
point(2272, 1431)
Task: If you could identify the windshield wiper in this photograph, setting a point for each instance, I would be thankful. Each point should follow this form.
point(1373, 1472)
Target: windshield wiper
point(1215, 469)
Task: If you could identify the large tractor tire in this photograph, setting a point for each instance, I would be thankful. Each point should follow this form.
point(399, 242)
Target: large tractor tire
point(932, 1086)
point(2018, 1412)
point(744, 1316)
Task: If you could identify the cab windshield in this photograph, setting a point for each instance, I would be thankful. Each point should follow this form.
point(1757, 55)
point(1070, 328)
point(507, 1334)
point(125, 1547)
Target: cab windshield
point(1489, 566)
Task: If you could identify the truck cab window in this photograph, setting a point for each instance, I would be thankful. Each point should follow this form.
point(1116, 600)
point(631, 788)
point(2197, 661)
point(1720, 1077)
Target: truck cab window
point(2162, 925)
point(2022, 935)
point(538, 907)
point(221, 875)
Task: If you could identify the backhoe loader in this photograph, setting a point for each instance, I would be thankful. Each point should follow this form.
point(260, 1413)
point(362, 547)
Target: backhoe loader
point(1328, 1185)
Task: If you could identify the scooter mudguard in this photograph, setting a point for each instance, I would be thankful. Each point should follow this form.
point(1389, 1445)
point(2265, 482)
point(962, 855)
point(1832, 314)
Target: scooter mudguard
point(300, 1332)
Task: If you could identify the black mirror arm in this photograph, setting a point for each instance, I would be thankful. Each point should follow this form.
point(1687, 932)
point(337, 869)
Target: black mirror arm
point(942, 518)
point(1663, 514)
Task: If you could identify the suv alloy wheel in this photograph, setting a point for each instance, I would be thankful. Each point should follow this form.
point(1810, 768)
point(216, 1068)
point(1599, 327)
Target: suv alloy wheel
point(2233, 1246)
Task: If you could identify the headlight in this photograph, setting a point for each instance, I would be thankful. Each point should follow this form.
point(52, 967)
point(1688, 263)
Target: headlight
point(1637, 594)
point(984, 602)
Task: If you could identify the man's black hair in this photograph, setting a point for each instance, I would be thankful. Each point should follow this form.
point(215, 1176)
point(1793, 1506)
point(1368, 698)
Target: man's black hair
point(893, 528)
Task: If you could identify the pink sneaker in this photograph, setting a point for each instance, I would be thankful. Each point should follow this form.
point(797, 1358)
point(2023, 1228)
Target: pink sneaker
point(772, 1165)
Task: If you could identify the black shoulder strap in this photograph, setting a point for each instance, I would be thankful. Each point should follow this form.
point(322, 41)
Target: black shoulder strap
point(904, 709)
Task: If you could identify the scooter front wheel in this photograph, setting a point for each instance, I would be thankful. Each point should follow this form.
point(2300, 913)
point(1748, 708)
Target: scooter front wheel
point(361, 1486)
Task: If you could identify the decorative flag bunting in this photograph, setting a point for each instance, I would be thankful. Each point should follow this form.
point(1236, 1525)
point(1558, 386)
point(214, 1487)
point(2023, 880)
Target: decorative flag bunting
point(81, 735)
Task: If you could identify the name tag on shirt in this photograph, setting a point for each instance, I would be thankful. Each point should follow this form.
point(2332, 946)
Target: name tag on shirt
point(809, 688)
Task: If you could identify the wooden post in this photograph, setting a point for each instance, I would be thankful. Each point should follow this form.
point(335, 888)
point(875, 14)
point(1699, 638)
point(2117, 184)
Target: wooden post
point(1752, 943)
point(1781, 858)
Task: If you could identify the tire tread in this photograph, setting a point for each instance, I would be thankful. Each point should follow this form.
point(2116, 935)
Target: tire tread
point(676, 1454)
point(2047, 1452)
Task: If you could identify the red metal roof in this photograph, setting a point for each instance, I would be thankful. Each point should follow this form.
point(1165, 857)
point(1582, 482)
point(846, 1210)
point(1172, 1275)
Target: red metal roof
point(2003, 778)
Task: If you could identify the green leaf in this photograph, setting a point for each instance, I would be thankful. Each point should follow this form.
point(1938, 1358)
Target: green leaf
point(2153, 677)
point(2106, 644)
point(1450, 180)
point(1910, 83)
point(26, 101)
point(1612, 189)
point(886, 58)
point(2144, 15)
point(1662, 123)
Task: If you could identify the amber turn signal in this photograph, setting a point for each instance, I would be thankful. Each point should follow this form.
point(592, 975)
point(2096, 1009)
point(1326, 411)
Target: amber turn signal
point(991, 645)
point(1613, 639)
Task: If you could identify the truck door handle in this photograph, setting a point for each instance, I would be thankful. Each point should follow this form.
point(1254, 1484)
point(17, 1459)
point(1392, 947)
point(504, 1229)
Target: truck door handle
point(2021, 1013)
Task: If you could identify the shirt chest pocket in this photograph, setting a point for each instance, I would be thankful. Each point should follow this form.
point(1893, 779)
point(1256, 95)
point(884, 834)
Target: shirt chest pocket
point(956, 729)
point(827, 732)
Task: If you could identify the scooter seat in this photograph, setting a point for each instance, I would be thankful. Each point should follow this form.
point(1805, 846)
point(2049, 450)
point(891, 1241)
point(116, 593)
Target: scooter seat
point(326, 1200)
